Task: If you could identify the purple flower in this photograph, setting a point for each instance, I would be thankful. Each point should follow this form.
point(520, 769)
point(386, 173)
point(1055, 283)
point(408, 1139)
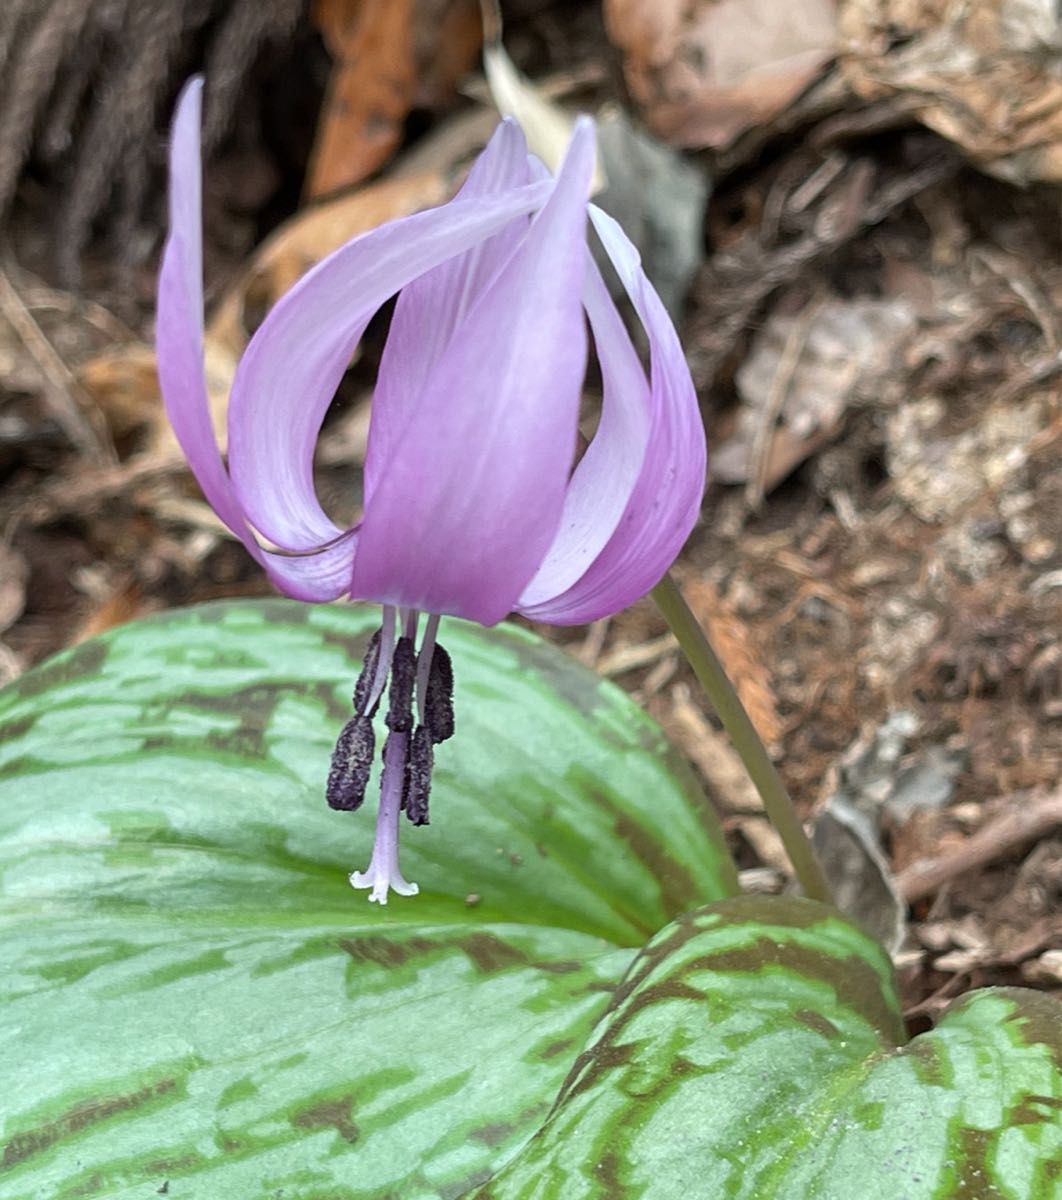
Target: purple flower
point(474, 505)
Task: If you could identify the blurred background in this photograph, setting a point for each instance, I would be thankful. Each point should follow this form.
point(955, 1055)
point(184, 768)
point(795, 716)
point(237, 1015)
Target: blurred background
point(852, 209)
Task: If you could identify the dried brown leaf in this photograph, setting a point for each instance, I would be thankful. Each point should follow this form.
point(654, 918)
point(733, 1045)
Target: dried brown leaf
point(370, 92)
point(14, 575)
point(733, 643)
point(706, 71)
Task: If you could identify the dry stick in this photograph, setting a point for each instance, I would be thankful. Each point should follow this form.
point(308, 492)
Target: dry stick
point(1033, 817)
point(83, 430)
point(760, 452)
point(713, 678)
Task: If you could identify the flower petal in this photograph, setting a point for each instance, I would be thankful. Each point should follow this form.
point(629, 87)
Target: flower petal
point(179, 339)
point(430, 308)
point(179, 328)
point(602, 483)
point(666, 499)
point(296, 359)
point(467, 504)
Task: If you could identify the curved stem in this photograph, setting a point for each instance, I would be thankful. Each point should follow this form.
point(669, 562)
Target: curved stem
point(693, 641)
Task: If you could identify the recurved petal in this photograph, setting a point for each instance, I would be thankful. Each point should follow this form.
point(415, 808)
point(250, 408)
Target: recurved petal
point(293, 364)
point(602, 483)
point(179, 341)
point(430, 308)
point(666, 498)
point(179, 325)
point(469, 498)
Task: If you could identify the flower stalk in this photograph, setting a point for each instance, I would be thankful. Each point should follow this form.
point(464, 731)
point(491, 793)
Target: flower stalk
point(694, 643)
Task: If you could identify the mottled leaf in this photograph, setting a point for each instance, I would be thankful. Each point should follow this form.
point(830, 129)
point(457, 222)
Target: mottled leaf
point(195, 1001)
point(753, 1052)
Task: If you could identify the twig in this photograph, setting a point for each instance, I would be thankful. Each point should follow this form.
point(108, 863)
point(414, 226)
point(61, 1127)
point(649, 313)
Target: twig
point(630, 658)
point(1029, 817)
point(69, 404)
point(95, 486)
point(763, 440)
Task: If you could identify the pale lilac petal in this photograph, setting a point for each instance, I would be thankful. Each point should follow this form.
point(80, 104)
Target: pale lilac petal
point(667, 497)
point(296, 359)
point(319, 576)
point(179, 327)
point(430, 308)
point(602, 483)
point(466, 507)
point(179, 339)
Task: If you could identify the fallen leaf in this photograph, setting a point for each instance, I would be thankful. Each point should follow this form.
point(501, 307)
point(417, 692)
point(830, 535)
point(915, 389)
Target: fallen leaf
point(799, 378)
point(704, 72)
point(712, 754)
point(14, 575)
point(370, 92)
point(849, 851)
point(120, 605)
point(448, 36)
point(733, 643)
point(122, 380)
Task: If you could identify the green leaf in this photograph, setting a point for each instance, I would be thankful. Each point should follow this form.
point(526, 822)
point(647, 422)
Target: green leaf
point(752, 1053)
point(197, 1000)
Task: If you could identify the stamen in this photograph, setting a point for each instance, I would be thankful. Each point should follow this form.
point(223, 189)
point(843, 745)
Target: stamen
point(439, 697)
point(351, 765)
point(418, 777)
point(400, 697)
point(363, 688)
point(424, 657)
point(382, 666)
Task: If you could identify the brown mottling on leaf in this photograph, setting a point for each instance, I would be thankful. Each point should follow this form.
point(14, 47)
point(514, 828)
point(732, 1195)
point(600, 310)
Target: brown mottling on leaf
point(173, 1166)
point(87, 659)
point(974, 1176)
point(30, 1142)
point(856, 982)
point(817, 1022)
point(1036, 1110)
point(489, 953)
point(606, 1055)
point(333, 1113)
point(557, 1047)
point(385, 951)
point(16, 729)
point(353, 647)
point(1040, 1017)
point(493, 1134)
point(558, 966)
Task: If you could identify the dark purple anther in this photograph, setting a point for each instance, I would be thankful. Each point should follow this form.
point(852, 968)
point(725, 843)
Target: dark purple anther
point(439, 697)
point(351, 765)
point(418, 776)
point(403, 677)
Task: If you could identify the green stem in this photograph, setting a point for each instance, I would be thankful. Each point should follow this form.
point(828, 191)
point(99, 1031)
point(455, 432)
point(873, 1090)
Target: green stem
point(709, 670)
